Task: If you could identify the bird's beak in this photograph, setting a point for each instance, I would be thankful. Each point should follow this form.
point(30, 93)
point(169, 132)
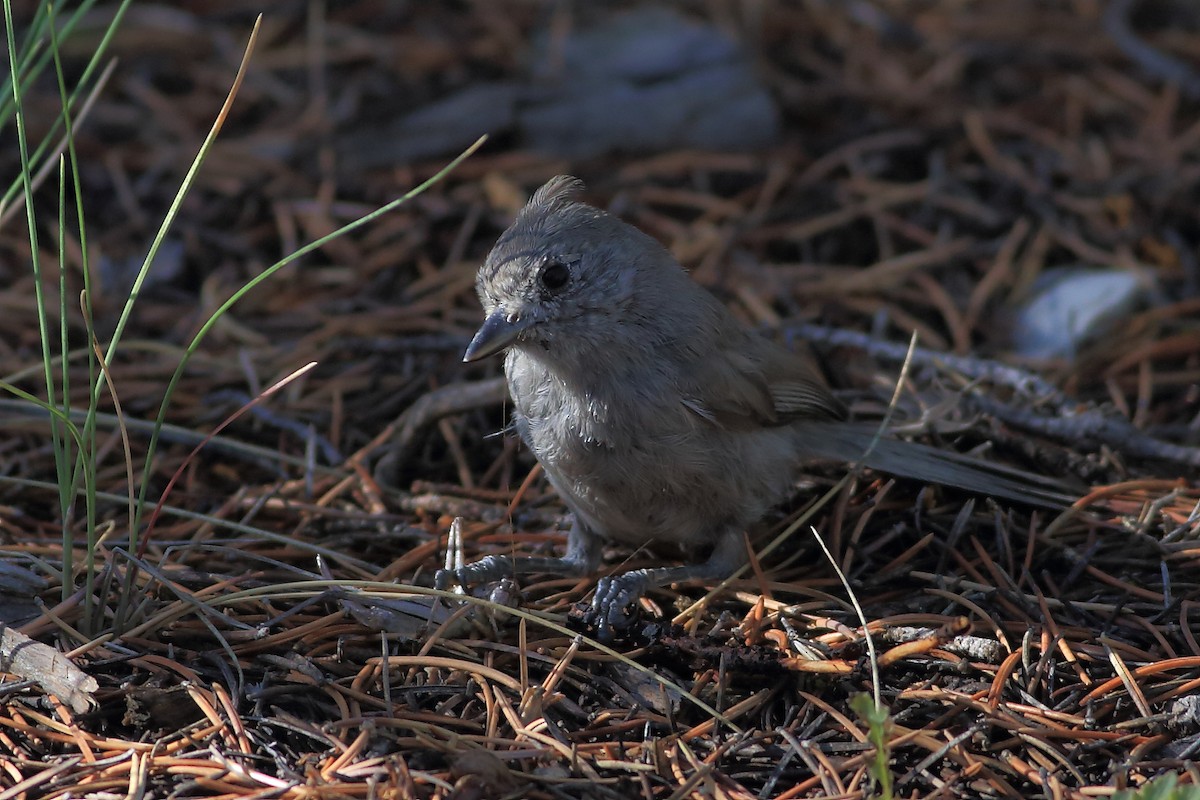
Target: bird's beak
point(497, 332)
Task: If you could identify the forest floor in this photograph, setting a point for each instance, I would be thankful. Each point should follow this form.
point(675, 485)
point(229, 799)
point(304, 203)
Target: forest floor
point(267, 633)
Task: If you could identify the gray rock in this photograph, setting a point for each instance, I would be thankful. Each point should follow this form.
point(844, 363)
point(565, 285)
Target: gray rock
point(644, 81)
point(642, 45)
point(445, 126)
point(1071, 306)
point(717, 107)
point(117, 276)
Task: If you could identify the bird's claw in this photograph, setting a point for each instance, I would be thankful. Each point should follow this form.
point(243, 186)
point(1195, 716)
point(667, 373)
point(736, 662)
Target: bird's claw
point(490, 568)
point(614, 594)
point(443, 579)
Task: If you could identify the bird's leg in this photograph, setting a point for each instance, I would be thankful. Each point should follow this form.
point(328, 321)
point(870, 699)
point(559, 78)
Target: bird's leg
point(582, 557)
point(616, 592)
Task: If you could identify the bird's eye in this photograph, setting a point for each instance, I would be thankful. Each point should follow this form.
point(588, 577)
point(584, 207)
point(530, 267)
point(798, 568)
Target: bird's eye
point(554, 276)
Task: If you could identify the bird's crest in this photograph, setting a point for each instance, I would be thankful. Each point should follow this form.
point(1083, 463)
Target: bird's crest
point(559, 191)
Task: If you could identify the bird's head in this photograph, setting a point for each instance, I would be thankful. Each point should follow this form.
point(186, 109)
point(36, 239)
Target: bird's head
point(564, 277)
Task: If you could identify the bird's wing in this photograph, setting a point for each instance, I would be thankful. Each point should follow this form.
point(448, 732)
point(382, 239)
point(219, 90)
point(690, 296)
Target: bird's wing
point(751, 382)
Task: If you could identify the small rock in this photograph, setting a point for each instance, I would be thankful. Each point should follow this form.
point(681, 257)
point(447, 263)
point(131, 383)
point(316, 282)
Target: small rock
point(643, 81)
point(117, 276)
point(643, 45)
point(646, 81)
point(445, 126)
point(1185, 713)
point(1071, 306)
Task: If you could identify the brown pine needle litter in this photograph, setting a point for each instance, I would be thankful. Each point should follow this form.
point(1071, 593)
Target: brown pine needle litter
point(272, 634)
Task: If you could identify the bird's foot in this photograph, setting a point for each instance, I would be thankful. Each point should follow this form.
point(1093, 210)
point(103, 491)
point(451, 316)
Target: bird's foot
point(487, 569)
point(609, 612)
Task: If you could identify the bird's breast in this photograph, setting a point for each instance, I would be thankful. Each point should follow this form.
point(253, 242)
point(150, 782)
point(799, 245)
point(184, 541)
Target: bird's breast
point(636, 466)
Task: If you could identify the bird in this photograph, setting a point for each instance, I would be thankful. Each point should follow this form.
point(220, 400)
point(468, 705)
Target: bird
point(655, 415)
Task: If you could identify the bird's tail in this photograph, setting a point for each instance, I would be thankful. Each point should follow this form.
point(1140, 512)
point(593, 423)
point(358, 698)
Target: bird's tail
point(859, 442)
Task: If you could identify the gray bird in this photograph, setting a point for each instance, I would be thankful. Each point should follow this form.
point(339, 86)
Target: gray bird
point(654, 414)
